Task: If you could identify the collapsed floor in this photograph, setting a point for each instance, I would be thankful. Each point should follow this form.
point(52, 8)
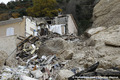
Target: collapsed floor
point(67, 57)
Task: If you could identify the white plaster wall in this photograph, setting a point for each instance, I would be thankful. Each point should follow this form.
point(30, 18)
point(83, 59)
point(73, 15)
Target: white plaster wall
point(8, 44)
point(30, 24)
point(59, 28)
point(71, 26)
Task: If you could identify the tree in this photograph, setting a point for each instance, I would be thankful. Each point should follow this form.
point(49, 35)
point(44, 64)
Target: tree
point(4, 16)
point(42, 8)
point(3, 6)
point(15, 15)
point(11, 5)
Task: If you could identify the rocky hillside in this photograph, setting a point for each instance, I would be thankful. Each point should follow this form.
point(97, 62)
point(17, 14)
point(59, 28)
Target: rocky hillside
point(102, 46)
point(106, 13)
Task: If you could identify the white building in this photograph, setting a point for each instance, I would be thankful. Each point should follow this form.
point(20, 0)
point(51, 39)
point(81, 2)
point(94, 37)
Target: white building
point(66, 25)
point(31, 27)
point(28, 26)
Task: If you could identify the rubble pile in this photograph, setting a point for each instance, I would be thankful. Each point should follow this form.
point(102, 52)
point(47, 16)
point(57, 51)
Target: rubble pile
point(66, 57)
point(41, 58)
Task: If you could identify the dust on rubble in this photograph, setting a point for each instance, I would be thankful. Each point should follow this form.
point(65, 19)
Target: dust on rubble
point(56, 57)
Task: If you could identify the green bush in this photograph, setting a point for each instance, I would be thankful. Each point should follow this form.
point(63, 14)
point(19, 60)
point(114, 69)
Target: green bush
point(67, 1)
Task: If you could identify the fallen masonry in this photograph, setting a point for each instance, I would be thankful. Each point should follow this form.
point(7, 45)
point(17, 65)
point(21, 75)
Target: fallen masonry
point(35, 64)
point(91, 72)
point(60, 57)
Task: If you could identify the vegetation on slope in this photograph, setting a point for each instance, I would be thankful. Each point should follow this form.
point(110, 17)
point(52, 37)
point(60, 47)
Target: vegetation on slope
point(81, 9)
point(43, 8)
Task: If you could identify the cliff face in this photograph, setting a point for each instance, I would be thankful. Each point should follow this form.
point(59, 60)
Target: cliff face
point(106, 13)
point(104, 38)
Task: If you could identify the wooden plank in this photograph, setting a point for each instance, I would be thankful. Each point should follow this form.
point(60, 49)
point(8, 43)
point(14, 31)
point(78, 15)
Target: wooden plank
point(24, 41)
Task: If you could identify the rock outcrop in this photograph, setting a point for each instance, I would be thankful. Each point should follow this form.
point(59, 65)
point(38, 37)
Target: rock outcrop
point(103, 46)
point(106, 13)
point(93, 31)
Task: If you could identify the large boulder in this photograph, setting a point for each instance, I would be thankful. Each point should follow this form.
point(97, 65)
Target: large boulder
point(110, 36)
point(93, 31)
point(67, 55)
point(54, 46)
point(3, 57)
point(106, 13)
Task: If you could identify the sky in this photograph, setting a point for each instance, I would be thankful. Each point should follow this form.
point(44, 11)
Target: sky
point(5, 1)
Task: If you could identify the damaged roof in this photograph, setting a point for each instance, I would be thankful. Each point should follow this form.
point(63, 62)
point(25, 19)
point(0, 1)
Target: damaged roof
point(37, 20)
point(10, 21)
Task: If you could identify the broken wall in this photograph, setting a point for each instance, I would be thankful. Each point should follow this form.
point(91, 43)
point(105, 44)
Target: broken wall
point(72, 27)
point(60, 20)
point(19, 28)
point(30, 27)
point(8, 44)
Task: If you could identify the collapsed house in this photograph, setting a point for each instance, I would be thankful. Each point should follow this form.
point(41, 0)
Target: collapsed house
point(61, 57)
point(93, 56)
point(28, 34)
point(31, 26)
point(17, 26)
point(17, 29)
point(62, 25)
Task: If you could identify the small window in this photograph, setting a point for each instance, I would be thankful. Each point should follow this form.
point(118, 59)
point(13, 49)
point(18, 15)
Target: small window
point(10, 31)
point(49, 22)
